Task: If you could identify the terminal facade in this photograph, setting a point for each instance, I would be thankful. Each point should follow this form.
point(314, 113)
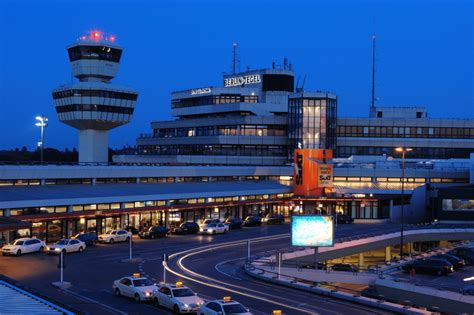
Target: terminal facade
point(229, 153)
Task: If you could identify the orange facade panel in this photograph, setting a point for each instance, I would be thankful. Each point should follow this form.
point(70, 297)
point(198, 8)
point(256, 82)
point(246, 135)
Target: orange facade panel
point(313, 172)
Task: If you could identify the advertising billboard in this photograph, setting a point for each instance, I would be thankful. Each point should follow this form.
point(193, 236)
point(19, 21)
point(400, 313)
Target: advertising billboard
point(312, 174)
point(312, 231)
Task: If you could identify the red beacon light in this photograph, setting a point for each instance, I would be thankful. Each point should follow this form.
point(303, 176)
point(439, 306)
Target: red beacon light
point(112, 38)
point(96, 35)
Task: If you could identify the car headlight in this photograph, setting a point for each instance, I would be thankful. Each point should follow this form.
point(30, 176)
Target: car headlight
point(147, 294)
point(201, 230)
point(211, 230)
point(57, 249)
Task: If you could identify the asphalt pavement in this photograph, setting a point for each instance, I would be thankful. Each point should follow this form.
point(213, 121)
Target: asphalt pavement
point(92, 272)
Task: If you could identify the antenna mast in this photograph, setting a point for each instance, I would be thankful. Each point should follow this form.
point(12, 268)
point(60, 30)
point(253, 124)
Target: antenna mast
point(235, 59)
point(372, 103)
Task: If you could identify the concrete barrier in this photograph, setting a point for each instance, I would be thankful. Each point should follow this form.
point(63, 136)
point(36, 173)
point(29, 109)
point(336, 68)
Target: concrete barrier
point(286, 281)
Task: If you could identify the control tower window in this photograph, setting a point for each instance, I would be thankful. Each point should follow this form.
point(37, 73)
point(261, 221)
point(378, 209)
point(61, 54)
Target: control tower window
point(94, 52)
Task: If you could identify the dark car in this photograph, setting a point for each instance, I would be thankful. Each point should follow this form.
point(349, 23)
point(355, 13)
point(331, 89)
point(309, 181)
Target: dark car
point(273, 218)
point(344, 267)
point(371, 292)
point(252, 220)
point(466, 253)
point(234, 223)
point(186, 228)
point(154, 232)
point(344, 219)
point(89, 238)
point(430, 266)
point(131, 229)
point(456, 261)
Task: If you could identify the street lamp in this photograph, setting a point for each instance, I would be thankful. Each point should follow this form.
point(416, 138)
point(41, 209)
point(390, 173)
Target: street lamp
point(403, 150)
point(41, 122)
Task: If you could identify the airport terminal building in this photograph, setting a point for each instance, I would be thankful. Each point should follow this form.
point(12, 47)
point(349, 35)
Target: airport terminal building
point(229, 153)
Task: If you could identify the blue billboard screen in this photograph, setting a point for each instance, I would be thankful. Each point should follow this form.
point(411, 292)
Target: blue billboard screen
point(312, 231)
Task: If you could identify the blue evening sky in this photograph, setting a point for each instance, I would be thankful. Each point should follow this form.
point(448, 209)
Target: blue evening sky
point(425, 54)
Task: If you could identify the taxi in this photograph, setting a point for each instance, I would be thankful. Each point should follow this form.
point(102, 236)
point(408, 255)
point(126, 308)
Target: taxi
point(177, 297)
point(137, 287)
point(224, 307)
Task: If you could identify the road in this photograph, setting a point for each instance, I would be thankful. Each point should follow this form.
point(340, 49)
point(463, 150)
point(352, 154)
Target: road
point(213, 274)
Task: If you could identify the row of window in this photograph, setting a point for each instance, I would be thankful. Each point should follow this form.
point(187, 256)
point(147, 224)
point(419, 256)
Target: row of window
point(213, 99)
point(95, 93)
point(143, 204)
point(417, 152)
point(88, 181)
point(94, 52)
point(201, 149)
point(344, 179)
point(94, 108)
point(405, 132)
point(231, 130)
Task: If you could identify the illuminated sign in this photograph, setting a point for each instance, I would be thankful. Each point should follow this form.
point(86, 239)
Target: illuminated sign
point(238, 81)
point(201, 91)
point(324, 175)
point(312, 231)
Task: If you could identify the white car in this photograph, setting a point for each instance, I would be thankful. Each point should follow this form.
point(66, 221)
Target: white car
point(177, 297)
point(214, 228)
point(136, 287)
point(223, 307)
point(115, 236)
point(66, 246)
point(23, 246)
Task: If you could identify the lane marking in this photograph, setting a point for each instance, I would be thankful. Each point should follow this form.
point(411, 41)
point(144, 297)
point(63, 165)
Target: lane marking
point(85, 298)
point(240, 290)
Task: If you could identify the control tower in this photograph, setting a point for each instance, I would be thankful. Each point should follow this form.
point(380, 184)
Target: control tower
point(94, 105)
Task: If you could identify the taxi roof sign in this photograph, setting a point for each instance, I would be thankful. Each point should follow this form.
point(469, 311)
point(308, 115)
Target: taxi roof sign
point(276, 312)
point(226, 299)
point(136, 275)
point(179, 284)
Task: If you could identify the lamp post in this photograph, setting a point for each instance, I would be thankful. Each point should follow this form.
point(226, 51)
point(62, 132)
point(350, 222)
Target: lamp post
point(403, 150)
point(41, 122)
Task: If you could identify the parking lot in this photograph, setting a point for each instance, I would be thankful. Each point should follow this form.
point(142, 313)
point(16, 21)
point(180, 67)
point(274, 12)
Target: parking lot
point(455, 281)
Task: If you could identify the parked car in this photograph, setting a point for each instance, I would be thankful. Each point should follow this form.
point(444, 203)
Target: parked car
point(177, 297)
point(468, 290)
point(186, 228)
point(430, 266)
point(214, 228)
point(137, 287)
point(209, 221)
point(67, 246)
point(224, 306)
point(154, 231)
point(456, 261)
point(23, 246)
point(89, 238)
point(131, 229)
point(466, 253)
point(344, 267)
point(273, 218)
point(344, 219)
point(371, 292)
point(234, 223)
point(321, 265)
point(115, 236)
point(252, 220)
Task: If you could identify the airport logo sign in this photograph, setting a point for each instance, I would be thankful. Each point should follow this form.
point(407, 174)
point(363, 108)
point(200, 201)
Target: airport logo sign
point(243, 80)
point(201, 91)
